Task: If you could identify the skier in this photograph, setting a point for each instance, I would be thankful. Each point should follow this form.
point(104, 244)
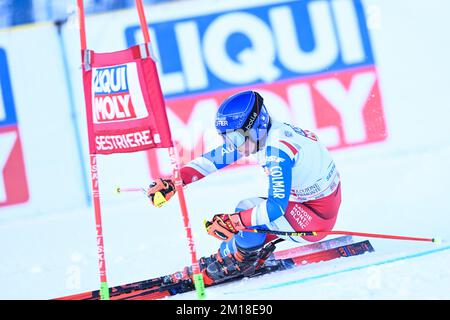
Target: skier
point(304, 185)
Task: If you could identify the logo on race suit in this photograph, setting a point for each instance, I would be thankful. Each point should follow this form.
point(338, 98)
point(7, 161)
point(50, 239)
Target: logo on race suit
point(117, 95)
point(274, 159)
point(278, 189)
point(311, 60)
point(13, 180)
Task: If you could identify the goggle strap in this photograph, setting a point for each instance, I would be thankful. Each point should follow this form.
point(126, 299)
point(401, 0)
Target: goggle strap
point(255, 110)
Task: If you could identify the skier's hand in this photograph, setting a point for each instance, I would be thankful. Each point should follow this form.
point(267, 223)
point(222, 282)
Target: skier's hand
point(224, 226)
point(160, 191)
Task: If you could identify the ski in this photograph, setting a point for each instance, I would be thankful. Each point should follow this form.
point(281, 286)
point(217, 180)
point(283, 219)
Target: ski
point(180, 282)
point(313, 247)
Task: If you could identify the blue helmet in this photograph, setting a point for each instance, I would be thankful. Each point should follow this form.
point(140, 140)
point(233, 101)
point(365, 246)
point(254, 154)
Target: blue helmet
point(243, 116)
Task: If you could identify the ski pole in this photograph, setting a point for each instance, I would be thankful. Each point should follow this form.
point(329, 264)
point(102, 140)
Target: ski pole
point(350, 233)
point(120, 190)
point(158, 198)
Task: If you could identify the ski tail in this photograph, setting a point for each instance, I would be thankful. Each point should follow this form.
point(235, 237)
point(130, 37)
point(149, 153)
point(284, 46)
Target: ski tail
point(349, 250)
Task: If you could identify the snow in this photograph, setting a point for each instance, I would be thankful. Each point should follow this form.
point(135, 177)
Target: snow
point(384, 191)
point(398, 186)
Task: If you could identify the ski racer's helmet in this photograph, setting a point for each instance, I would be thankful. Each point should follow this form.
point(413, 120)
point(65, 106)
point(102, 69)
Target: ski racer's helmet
point(243, 116)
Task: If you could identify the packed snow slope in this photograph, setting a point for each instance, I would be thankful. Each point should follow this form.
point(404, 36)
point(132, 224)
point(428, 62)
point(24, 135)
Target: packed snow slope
point(396, 193)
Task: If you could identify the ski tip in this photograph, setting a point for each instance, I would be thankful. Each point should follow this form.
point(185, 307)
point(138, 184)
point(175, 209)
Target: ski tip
point(118, 190)
point(439, 240)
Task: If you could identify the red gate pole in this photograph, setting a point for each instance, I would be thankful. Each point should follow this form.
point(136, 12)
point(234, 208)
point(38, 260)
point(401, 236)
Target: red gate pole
point(104, 290)
point(197, 276)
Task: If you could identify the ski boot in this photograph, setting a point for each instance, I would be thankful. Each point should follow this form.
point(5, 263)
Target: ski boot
point(218, 268)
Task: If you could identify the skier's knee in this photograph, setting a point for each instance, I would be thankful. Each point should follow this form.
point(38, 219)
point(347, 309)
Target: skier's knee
point(249, 240)
point(245, 241)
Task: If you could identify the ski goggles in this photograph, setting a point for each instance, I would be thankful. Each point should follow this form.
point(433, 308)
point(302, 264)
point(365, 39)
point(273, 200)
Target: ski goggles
point(234, 138)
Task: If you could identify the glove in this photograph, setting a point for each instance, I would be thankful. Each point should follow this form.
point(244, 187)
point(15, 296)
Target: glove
point(160, 191)
point(224, 226)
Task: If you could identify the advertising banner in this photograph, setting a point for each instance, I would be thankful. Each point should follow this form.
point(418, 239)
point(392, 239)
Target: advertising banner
point(13, 178)
point(124, 105)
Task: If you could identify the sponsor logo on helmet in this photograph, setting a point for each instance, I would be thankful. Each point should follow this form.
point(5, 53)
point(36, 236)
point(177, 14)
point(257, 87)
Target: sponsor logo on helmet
point(221, 122)
point(252, 120)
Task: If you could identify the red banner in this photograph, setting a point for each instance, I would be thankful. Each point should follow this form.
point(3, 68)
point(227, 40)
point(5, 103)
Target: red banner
point(124, 104)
